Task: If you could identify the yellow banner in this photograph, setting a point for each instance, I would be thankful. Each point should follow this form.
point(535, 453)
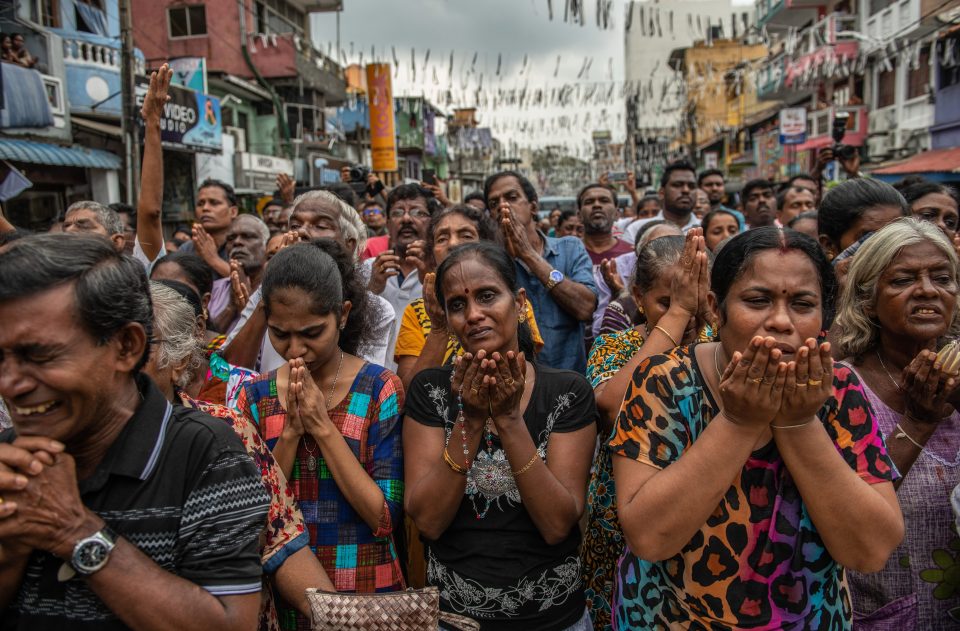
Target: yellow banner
point(383, 137)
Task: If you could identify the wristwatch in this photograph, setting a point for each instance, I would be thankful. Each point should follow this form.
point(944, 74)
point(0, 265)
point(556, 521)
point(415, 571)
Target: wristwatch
point(92, 553)
point(554, 279)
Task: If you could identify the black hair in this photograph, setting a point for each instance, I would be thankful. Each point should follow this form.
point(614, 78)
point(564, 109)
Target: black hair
point(111, 290)
point(228, 191)
point(276, 201)
point(325, 271)
point(364, 312)
point(478, 195)
point(487, 230)
point(799, 176)
point(707, 173)
point(413, 191)
point(127, 209)
point(567, 214)
point(846, 202)
point(525, 185)
point(342, 190)
point(188, 293)
point(181, 227)
point(915, 191)
point(194, 268)
point(782, 193)
point(502, 264)
point(754, 184)
point(678, 165)
point(909, 180)
point(736, 255)
point(583, 191)
point(649, 197)
point(710, 216)
point(810, 214)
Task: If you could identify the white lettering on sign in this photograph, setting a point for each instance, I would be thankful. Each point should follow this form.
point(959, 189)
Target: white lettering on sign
point(180, 113)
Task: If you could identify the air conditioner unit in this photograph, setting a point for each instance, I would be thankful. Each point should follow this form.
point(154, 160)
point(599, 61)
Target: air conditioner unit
point(239, 136)
point(891, 116)
point(878, 147)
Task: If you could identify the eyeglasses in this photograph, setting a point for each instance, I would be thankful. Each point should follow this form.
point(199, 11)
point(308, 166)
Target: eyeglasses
point(415, 213)
point(372, 211)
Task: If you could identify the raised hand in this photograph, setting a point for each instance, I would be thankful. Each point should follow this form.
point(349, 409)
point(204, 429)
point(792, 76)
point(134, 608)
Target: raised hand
point(204, 244)
point(385, 266)
point(808, 385)
point(438, 319)
point(240, 289)
point(688, 290)
point(468, 382)
point(416, 255)
point(927, 387)
point(514, 236)
point(286, 185)
point(311, 402)
point(505, 377)
point(157, 97)
point(751, 387)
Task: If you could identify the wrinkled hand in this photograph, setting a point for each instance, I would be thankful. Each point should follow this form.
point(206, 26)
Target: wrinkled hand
point(42, 509)
point(927, 388)
point(808, 385)
point(385, 266)
point(688, 289)
point(239, 286)
point(157, 97)
point(504, 378)
point(286, 185)
point(438, 319)
point(751, 388)
point(612, 277)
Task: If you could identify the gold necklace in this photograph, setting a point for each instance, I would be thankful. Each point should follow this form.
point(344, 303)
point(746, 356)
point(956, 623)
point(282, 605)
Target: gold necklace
point(887, 371)
point(311, 456)
point(716, 362)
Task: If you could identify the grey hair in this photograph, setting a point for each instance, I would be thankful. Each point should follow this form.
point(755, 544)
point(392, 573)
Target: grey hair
point(648, 234)
point(175, 325)
point(262, 230)
point(658, 256)
point(106, 217)
point(859, 333)
point(350, 224)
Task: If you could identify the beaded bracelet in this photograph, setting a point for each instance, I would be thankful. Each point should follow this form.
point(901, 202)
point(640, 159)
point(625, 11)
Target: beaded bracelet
point(453, 465)
point(524, 468)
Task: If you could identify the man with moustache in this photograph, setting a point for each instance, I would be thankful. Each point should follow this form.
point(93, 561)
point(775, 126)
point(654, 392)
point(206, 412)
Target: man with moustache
point(247, 250)
point(598, 211)
point(759, 203)
point(677, 187)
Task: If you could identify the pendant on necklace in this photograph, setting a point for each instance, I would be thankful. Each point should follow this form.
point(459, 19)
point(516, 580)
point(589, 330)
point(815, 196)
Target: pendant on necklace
point(311, 463)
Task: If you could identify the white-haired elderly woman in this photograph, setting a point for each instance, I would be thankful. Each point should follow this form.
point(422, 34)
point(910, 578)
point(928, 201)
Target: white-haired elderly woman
point(899, 307)
point(313, 215)
point(288, 563)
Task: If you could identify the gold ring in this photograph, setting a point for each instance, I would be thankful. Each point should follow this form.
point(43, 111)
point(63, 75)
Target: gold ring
point(756, 379)
point(801, 385)
point(814, 382)
point(474, 391)
point(509, 381)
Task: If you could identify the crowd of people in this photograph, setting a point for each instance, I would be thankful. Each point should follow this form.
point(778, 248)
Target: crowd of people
point(698, 412)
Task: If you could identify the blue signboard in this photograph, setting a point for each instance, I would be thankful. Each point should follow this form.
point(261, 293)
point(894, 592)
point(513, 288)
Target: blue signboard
point(191, 120)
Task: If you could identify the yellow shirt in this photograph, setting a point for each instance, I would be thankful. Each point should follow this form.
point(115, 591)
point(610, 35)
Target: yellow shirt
point(415, 326)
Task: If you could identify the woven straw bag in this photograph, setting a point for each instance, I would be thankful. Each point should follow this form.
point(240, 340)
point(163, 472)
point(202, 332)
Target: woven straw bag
point(411, 610)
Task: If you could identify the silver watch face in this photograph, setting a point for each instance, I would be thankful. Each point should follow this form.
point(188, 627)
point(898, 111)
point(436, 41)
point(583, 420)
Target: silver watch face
point(556, 276)
point(91, 555)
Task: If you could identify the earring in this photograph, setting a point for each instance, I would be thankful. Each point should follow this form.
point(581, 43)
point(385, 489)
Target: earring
point(640, 310)
point(522, 317)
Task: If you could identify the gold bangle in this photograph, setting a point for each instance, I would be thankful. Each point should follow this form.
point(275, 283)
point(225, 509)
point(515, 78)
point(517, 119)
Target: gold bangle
point(665, 332)
point(813, 420)
point(524, 468)
point(453, 465)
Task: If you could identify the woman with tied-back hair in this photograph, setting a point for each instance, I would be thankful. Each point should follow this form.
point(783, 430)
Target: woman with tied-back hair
point(669, 284)
point(751, 471)
point(934, 202)
point(331, 418)
point(854, 208)
point(175, 354)
point(900, 306)
point(497, 453)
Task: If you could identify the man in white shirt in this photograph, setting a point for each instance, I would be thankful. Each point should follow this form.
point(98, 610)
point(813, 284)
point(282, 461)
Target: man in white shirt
point(395, 274)
point(677, 189)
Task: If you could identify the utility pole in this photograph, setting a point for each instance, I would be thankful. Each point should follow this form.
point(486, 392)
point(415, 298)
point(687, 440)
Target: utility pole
point(129, 119)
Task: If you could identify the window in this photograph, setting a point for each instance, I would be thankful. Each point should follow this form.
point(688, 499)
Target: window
point(277, 16)
point(187, 21)
point(918, 81)
point(876, 6)
point(887, 87)
point(49, 13)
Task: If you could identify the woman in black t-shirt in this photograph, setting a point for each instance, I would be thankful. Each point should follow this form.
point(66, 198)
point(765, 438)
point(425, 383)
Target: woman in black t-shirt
point(497, 459)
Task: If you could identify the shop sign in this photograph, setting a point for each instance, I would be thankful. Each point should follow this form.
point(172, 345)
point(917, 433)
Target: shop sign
point(793, 125)
point(191, 120)
point(383, 135)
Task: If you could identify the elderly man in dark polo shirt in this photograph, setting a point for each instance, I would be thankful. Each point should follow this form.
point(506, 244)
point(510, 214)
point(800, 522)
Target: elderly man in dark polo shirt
point(119, 510)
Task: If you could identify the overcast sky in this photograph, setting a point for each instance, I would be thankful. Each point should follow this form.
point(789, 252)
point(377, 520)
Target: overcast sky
point(488, 28)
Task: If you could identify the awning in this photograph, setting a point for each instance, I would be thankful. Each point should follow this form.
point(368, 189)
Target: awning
point(936, 161)
point(44, 153)
point(102, 128)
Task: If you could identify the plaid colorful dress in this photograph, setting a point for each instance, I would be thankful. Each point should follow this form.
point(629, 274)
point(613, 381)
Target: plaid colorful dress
point(357, 559)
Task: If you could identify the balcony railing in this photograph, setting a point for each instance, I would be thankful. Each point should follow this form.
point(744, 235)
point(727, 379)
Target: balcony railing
point(96, 53)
